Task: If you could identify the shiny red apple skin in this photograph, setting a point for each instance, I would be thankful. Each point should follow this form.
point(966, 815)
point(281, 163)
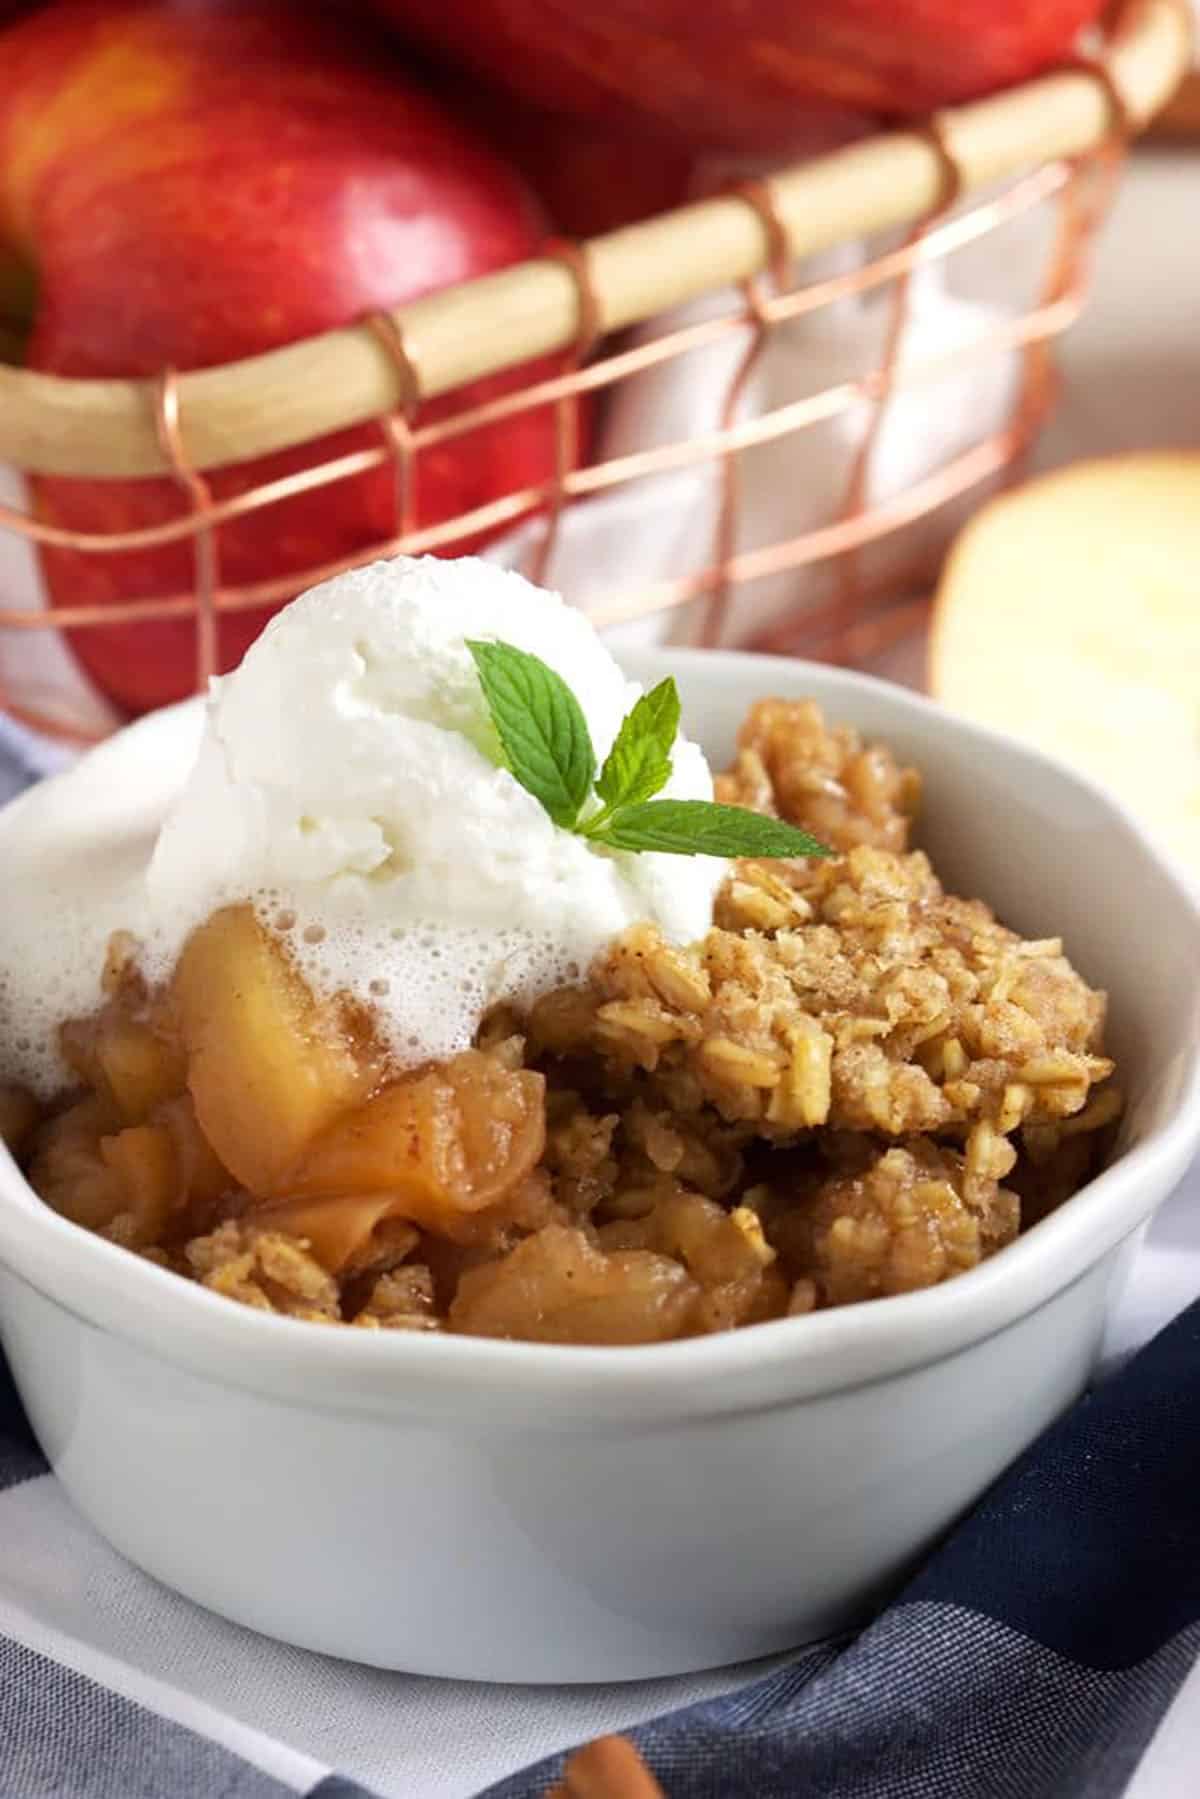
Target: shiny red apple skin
point(743, 74)
point(194, 182)
point(590, 178)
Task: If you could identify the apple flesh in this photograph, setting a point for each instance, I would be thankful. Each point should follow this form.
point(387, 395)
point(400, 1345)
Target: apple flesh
point(1067, 615)
point(745, 74)
point(189, 183)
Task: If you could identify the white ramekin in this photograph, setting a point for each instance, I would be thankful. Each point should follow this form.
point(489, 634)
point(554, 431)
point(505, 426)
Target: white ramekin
point(504, 1511)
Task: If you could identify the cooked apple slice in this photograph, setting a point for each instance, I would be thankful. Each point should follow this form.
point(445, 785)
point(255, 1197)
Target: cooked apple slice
point(125, 1060)
point(334, 1228)
point(18, 1116)
point(269, 1068)
point(143, 1160)
point(446, 1143)
point(69, 1170)
point(1068, 615)
point(101, 1177)
point(201, 1178)
point(140, 1068)
point(557, 1287)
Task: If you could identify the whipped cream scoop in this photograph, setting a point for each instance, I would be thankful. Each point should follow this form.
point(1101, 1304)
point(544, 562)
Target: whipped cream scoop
point(347, 783)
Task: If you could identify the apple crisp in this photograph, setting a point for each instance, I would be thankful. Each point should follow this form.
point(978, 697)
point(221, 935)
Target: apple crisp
point(855, 1085)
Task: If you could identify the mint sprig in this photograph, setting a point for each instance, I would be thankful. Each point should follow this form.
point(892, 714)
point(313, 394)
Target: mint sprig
point(639, 762)
point(704, 828)
point(547, 748)
point(541, 727)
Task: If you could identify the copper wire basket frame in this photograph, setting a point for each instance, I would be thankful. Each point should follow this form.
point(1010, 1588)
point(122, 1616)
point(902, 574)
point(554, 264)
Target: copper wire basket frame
point(1066, 129)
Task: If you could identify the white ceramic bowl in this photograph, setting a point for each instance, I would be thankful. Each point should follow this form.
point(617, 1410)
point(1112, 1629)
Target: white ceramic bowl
point(508, 1511)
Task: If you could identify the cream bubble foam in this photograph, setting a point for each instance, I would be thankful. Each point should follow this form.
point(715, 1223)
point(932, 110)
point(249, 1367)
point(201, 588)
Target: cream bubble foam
point(346, 784)
point(73, 859)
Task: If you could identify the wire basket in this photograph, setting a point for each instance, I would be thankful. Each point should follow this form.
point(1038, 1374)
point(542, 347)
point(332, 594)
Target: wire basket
point(922, 195)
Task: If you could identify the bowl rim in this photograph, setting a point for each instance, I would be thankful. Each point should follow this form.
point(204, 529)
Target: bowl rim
point(777, 1362)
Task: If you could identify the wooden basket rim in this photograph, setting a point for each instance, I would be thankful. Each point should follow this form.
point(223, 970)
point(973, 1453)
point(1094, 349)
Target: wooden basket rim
point(241, 410)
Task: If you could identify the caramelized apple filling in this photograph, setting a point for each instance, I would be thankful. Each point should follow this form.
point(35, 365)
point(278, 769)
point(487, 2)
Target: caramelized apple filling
point(855, 1085)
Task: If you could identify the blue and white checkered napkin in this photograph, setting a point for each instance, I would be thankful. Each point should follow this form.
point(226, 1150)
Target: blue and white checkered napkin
point(1033, 1658)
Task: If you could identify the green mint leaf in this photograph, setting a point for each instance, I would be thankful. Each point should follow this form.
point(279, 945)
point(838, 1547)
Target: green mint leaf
point(703, 828)
point(541, 728)
point(639, 762)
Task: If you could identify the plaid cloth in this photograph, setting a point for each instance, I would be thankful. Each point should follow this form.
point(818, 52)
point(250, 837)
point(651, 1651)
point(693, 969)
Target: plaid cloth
point(1033, 1658)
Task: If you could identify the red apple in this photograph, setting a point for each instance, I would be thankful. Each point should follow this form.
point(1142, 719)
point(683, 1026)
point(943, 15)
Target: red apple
point(187, 183)
point(590, 178)
point(744, 73)
point(593, 179)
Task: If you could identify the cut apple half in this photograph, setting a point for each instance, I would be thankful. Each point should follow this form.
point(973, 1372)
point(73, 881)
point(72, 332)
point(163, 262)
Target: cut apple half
point(1068, 614)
